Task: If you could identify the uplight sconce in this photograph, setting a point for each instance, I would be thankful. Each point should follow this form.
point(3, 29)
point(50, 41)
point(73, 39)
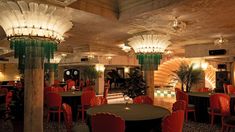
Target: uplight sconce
point(99, 67)
point(126, 69)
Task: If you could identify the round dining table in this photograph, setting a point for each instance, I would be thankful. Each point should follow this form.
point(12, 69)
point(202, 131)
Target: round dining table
point(72, 98)
point(201, 100)
point(138, 117)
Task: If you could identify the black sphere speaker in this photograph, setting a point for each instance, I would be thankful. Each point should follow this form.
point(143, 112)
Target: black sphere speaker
point(217, 52)
point(221, 78)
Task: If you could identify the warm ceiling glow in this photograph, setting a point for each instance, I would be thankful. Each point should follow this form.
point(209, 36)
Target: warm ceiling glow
point(152, 44)
point(36, 20)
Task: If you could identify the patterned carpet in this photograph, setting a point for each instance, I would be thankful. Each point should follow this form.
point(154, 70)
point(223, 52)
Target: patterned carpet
point(7, 126)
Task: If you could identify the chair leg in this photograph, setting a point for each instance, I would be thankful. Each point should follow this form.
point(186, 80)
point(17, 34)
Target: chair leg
point(82, 115)
point(212, 120)
point(59, 118)
point(48, 116)
point(77, 116)
point(186, 116)
point(227, 129)
point(194, 113)
point(222, 129)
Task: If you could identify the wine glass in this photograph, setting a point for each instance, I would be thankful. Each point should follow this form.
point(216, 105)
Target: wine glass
point(126, 99)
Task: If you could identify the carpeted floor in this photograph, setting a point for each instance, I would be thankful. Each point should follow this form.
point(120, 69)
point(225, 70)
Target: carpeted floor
point(7, 126)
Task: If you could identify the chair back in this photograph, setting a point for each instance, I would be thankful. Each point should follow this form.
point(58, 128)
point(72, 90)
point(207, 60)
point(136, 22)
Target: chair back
point(173, 122)
point(70, 83)
point(182, 96)
point(3, 90)
point(86, 97)
point(215, 101)
point(98, 100)
point(105, 122)
point(143, 99)
point(230, 89)
point(58, 89)
point(88, 88)
point(53, 100)
point(67, 116)
point(11, 83)
point(179, 105)
point(8, 99)
point(56, 82)
point(203, 90)
point(224, 102)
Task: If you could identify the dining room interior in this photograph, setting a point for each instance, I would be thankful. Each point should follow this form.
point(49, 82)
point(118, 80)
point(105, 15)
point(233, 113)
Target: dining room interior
point(117, 65)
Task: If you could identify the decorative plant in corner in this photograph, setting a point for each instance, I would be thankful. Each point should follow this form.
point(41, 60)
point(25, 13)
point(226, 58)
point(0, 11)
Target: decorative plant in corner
point(187, 75)
point(134, 85)
point(90, 73)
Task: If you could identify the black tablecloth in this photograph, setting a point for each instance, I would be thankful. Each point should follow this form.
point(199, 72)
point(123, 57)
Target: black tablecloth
point(139, 118)
point(73, 99)
point(2, 98)
point(201, 100)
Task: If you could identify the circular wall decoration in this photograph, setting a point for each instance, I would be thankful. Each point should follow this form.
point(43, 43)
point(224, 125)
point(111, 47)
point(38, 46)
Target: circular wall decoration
point(67, 72)
point(75, 72)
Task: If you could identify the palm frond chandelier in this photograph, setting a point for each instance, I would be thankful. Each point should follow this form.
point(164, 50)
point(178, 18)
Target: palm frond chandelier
point(31, 25)
point(149, 49)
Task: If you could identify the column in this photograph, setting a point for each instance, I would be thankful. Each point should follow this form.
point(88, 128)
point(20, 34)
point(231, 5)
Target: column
point(232, 71)
point(99, 83)
point(149, 78)
point(33, 91)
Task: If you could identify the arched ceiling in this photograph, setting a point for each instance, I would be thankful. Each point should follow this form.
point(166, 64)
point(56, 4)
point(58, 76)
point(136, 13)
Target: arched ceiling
point(107, 23)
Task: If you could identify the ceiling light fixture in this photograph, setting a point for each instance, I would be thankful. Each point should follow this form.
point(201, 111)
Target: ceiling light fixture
point(177, 25)
point(220, 41)
point(21, 19)
point(149, 49)
point(62, 2)
point(125, 47)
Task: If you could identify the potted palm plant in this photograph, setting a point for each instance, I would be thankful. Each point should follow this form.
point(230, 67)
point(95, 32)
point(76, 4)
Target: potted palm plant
point(187, 75)
point(134, 85)
point(89, 73)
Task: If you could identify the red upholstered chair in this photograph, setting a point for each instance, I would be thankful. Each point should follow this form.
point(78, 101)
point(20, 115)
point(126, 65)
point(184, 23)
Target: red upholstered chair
point(98, 100)
point(143, 99)
point(179, 105)
point(88, 82)
point(70, 83)
point(189, 107)
point(67, 117)
point(105, 94)
point(105, 122)
point(53, 101)
point(228, 121)
point(56, 82)
point(3, 90)
point(88, 88)
point(11, 83)
point(8, 100)
point(81, 84)
point(203, 89)
point(58, 89)
point(215, 109)
point(173, 122)
point(230, 89)
point(86, 101)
